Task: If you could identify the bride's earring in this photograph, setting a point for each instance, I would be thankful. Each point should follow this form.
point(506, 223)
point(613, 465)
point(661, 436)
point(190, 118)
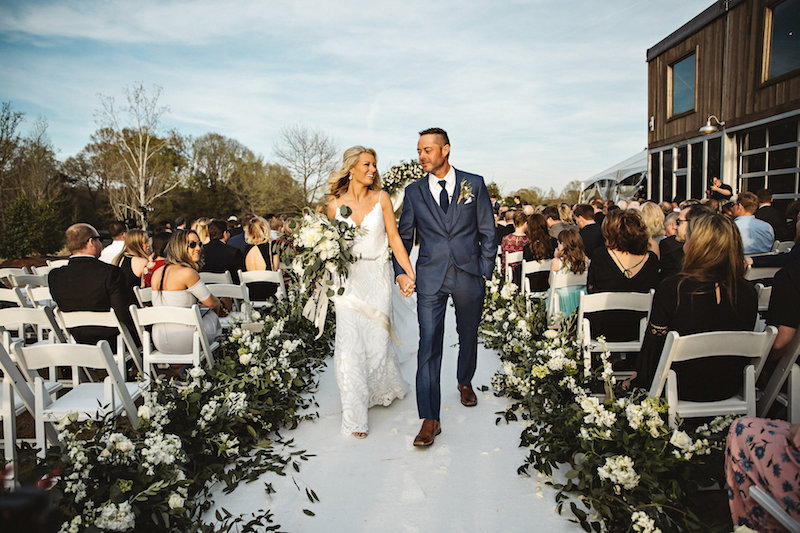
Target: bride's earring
point(350, 177)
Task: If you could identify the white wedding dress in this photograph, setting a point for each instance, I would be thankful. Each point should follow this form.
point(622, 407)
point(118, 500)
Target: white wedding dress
point(365, 362)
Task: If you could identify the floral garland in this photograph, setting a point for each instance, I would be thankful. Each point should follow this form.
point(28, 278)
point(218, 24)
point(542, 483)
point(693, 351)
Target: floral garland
point(400, 175)
point(628, 468)
point(214, 424)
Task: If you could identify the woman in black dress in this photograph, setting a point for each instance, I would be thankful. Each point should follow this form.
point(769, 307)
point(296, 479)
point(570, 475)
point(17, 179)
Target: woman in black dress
point(710, 294)
point(258, 255)
point(624, 265)
point(540, 246)
point(134, 257)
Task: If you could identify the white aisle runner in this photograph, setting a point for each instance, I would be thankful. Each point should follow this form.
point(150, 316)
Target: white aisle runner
point(465, 482)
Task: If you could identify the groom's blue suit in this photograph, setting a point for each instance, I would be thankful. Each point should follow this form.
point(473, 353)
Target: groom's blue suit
point(456, 254)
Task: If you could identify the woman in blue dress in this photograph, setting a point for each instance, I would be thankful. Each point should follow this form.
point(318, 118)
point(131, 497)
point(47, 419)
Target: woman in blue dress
point(570, 257)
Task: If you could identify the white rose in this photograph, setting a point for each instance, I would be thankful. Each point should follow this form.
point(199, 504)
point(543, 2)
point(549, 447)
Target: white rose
point(144, 412)
point(196, 372)
point(680, 440)
point(550, 334)
point(175, 501)
point(245, 358)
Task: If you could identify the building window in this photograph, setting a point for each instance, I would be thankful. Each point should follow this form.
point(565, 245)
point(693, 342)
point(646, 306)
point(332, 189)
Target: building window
point(781, 39)
point(681, 80)
point(768, 158)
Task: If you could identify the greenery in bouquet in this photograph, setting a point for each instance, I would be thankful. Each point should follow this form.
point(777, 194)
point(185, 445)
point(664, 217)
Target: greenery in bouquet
point(629, 470)
point(324, 250)
point(400, 175)
point(507, 323)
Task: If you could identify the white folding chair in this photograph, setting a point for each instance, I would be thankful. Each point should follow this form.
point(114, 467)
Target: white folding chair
point(531, 267)
point(753, 345)
point(39, 296)
point(20, 280)
point(16, 398)
point(754, 273)
point(216, 277)
point(241, 300)
point(41, 319)
point(144, 296)
point(784, 246)
point(271, 276)
point(786, 369)
point(89, 400)
point(14, 296)
point(562, 280)
point(42, 270)
point(612, 301)
point(764, 294)
point(768, 503)
point(126, 346)
point(10, 271)
point(512, 257)
point(56, 263)
point(149, 316)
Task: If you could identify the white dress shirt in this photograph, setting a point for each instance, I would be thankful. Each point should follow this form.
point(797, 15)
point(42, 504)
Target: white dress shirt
point(111, 251)
point(449, 186)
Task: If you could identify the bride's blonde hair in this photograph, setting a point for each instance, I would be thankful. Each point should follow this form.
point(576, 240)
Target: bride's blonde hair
point(340, 179)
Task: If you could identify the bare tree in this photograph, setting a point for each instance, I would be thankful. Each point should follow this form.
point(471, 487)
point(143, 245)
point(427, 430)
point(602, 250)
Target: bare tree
point(309, 156)
point(9, 145)
point(132, 135)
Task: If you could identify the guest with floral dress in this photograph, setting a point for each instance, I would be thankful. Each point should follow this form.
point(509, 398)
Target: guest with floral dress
point(515, 242)
point(764, 453)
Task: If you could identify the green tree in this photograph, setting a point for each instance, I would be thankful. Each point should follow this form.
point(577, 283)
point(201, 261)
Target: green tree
point(494, 190)
point(29, 227)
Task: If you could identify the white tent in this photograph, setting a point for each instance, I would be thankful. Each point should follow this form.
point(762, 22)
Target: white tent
point(623, 180)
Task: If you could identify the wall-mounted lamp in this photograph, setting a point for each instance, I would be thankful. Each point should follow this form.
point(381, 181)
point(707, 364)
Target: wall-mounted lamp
point(708, 128)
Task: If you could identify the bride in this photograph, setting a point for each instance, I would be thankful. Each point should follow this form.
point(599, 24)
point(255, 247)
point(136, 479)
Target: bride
point(365, 363)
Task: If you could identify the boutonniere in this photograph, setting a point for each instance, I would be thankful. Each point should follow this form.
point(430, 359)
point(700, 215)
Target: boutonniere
point(466, 193)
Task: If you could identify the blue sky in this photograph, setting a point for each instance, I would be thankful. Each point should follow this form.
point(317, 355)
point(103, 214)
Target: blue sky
point(532, 93)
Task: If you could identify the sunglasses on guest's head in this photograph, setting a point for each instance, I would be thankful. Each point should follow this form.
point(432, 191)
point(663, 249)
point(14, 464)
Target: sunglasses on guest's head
point(93, 237)
point(195, 244)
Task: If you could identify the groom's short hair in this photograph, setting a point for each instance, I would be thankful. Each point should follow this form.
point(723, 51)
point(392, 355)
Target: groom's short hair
point(437, 131)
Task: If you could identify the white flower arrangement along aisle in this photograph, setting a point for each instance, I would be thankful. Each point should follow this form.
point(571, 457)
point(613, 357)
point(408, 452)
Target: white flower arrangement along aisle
point(625, 468)
point(214, 424)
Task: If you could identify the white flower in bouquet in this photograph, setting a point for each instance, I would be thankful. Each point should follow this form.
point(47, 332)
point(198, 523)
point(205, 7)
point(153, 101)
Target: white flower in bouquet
point(642, 522)
point(115, 517)
point(144, 412)
point(550, 334)
point(245, 358)
point(618, 469)
point(175, 501)
point(509, 291)
point(196, 372)
point(596, 413)
point(681, 440)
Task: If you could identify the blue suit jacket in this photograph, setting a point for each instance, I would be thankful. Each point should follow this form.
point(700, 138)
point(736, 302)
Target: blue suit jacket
point(464, 237)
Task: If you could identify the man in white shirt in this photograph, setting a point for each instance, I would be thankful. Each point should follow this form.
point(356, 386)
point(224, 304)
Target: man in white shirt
point(117, 230)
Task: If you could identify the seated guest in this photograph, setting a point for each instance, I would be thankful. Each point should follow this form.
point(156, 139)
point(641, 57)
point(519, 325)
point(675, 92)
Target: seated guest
point(778, 260)
point(590, 232)
point(217, 255)
point(784, 311)
point(134, 257)
point(200, 226)
point(599, 210)
point(258, 255)
point(710, 294)
point(770, 214)
point(653, 218)
point(553, 220)
point(565, 216)
point(625, 264)
point(713, 205)
point(275, 227)
point(790, 230)
point(757, 235)
point(178, 284)
point(727, 210)
point(540, 246)
point(117, 231)
point(515, 242)
point(87, 284)
point(763, 453)
point(237, 241)
point(569, 257)
point(672, 248)
point(506, 225)
point(157, 259)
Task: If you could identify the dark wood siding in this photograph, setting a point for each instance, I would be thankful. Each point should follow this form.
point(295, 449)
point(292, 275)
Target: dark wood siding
point(746, 97)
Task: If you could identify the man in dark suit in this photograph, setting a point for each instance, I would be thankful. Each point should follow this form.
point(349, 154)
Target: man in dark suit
point(88, 284)
point(591, 234)
point(770, 215)
point(217, 255)
point(451, 213)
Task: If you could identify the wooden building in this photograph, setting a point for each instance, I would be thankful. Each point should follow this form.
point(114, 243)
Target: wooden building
point(737, 66)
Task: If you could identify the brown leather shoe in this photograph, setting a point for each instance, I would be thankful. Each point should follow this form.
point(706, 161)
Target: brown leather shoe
point(429, 430)
point(468, 397)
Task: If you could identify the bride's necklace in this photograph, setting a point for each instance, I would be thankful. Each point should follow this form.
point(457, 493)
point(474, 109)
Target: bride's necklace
point(627, 272)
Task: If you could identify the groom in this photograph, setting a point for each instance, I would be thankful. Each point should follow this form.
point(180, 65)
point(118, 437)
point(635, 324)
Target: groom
point(451, 213)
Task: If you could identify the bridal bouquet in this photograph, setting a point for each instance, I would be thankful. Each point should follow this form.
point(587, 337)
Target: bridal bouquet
point(323, 259)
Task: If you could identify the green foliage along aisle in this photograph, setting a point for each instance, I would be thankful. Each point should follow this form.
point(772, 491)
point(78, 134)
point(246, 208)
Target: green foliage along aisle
point(629, 470)
point(218, 424)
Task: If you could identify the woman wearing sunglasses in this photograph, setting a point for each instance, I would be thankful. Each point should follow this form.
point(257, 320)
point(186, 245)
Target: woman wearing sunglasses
point(178, 284)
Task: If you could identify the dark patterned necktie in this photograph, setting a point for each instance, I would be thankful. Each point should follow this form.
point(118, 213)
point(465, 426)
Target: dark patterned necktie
point(444, 202)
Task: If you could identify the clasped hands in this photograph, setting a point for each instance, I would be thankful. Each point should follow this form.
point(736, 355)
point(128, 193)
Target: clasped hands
point(406, 284)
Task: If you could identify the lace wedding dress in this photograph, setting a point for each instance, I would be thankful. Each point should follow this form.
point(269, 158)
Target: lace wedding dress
point(365, 362)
